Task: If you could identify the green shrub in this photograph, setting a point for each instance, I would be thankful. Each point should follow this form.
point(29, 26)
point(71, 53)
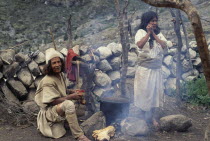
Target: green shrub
point(195, 92)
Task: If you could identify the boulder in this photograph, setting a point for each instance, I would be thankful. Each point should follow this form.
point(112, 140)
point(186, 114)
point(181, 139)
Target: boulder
point(131, 72)
point(115, 63)
point(104, 66)
point(40, 58)
point(132, 59)
point(115, 48)
point(25, 77)
point(10, 70)
point(134, 126)
point(114, 76)
point(20, 57)
point(104, 52)
point(9, 96)
point(30, 107)
point(84, 49)
point(168, 60)
point(101, 79)
point(17, 88)
point(95, 122)
point(7, 56)
point(34, 68)
point(175, 123)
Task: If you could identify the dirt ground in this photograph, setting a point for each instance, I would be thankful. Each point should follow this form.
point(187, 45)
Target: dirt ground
point(199, 115)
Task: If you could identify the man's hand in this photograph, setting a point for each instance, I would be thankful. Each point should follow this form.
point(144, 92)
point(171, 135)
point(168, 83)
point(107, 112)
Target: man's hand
point(75, 96)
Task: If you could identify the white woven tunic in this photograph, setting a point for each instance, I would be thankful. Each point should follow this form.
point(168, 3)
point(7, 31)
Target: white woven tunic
point(148, 83)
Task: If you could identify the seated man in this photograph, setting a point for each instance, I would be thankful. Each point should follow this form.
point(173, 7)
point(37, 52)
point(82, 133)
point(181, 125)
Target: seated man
point(55, 105)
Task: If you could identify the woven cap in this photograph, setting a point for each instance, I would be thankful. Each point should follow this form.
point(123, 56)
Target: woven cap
point(51, 53)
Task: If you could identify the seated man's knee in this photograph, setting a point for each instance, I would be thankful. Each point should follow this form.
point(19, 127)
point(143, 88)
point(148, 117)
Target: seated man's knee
point(68, 107)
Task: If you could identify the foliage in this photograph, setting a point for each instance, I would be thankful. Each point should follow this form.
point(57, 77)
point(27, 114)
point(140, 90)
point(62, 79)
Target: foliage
point(195, 91)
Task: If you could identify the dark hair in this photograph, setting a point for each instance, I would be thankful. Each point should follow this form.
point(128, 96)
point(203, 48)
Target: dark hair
point(48, 68)
point(145, 19)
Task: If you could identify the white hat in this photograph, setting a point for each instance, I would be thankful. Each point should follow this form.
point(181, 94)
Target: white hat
point(51, 53)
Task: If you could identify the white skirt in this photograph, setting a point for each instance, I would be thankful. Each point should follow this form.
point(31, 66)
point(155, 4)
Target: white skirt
point(148, 88)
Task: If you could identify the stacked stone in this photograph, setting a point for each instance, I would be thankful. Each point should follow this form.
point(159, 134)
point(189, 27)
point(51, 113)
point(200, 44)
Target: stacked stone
point(107, 74)
point(189, 72)
point(19, 77)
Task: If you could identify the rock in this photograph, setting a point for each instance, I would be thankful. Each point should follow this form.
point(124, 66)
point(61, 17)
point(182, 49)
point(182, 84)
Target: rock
point(193, 45)
point(175, 57)
point(168, 60)
point(37, 80)
point(166, 72)
point(101, 79)
point(104, 52)
point(192, 53)
point(186, 65)
point(115, 63)
point(115, 48)
point(171, 83)
point(197, 61)
point(86, 58)
point(20, 57)
point(1, 63)
point(98, 91)
point(84, 49)
point(134, 126)
point(115, 76)
point(42, 68)
point(184, 49)
point(7, 56)
point(64, 51)
point(30, 107)
point(190, 75)
point(8, 94)
point(17, 88)
point(133, 48)
point(27, 59)
point(132, 59)
point(173, 69)
point(131, 72)
point(95, 122)
point(40, 58)
point(1, 75)
point(76, 49)
point(172, 51)
point(10, 70)
point(25, 77)
point(31, 94)
point(104, 66)
point(34, 68)
point(175, 123)
point(80, 110)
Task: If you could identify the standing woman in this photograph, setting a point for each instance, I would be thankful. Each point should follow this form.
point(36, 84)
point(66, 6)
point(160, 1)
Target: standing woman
point(148, 83)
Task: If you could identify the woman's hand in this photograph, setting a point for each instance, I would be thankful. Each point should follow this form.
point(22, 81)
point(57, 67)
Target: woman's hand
point(149, 28)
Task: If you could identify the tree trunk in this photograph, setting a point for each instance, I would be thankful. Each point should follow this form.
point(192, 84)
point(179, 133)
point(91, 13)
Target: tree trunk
point(69, 33)
point(192, 13)
point(124, 39)
point(187, 42)
point(178, 63)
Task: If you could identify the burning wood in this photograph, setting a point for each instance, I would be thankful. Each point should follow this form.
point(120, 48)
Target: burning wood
point(104, 134)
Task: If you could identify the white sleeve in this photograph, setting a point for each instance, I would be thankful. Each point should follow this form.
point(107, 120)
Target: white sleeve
point(139, 35)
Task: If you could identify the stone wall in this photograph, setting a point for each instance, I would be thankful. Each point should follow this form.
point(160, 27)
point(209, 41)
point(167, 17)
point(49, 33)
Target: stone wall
point(20, 73)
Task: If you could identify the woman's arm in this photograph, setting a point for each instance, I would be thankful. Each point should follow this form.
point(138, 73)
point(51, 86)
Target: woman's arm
point(143, 40)
point(161, 42)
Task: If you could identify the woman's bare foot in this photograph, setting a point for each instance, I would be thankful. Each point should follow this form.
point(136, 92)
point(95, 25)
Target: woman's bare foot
point(155, 123)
